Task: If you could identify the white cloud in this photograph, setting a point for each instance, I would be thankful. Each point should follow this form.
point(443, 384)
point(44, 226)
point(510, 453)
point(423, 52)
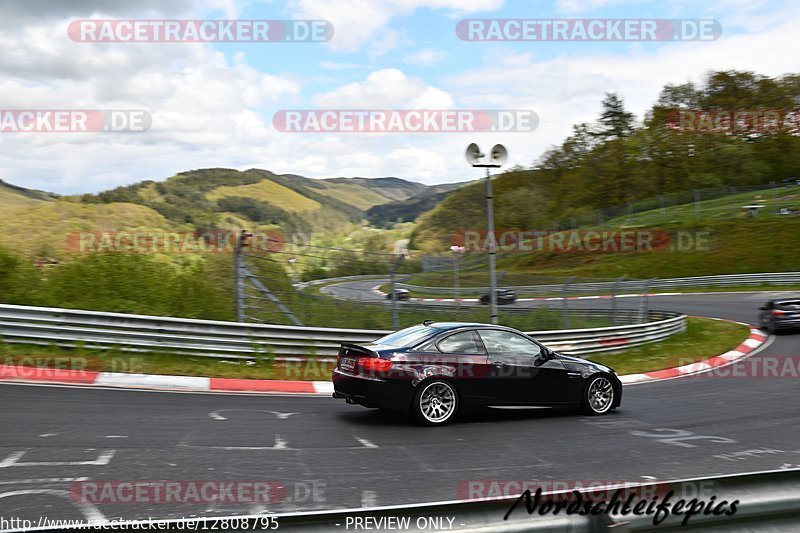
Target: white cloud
point(581, 6)
point(386, 89)
point(357, 22)
point(425, 57)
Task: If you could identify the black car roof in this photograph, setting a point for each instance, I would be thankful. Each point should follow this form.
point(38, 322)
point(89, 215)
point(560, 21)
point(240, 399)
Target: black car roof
point(446, 326)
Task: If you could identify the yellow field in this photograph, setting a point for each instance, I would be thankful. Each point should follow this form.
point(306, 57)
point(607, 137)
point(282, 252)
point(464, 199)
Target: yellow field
point(11, 198)
point(268, 191)
point(41, 228)
point(351, 193)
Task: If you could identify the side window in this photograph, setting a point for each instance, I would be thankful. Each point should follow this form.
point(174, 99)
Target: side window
point(505, 343)
point(464, 343)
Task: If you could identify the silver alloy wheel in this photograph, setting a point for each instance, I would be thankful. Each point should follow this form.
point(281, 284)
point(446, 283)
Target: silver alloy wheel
point(437, 402)
point(600, 395)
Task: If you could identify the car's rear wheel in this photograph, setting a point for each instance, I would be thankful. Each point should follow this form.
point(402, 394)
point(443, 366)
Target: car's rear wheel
point(599, 396)
point(435, 403)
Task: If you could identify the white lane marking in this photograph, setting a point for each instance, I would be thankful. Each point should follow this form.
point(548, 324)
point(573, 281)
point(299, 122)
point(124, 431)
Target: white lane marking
point(369, 498)
point(167, 391)
point(366, 443)
point(48, 434)
point(116, 437)
point(280, 444)
point(13, 460)
point(216, 415)
point(42, 480)
point(323, 387)
point(88, 509)
point(152, 380)
point(677, 436)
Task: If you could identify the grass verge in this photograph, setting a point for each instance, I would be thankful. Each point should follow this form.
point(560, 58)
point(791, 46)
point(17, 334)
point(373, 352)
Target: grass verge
point(703, 338)
point(85, 359)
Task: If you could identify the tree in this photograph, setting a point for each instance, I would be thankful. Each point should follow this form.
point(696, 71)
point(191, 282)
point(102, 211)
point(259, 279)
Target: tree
point(615, 122)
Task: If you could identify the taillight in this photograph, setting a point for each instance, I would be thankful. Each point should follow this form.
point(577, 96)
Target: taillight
point(778, 312)
point(374, 364)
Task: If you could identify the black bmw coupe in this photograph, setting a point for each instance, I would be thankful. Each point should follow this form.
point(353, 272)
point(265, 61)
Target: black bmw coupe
point(437, 369)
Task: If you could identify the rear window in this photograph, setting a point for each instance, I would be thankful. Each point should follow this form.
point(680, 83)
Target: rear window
point(408, 337)
point(789, 306)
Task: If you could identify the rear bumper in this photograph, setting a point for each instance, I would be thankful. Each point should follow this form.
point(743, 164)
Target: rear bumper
point(395, 395)
point(786, 324)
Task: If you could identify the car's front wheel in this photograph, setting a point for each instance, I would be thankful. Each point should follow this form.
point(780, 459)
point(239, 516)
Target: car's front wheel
point(599, 396)
point(435, 403)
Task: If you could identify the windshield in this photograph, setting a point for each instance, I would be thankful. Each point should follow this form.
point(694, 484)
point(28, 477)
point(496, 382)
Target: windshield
point(408, 337)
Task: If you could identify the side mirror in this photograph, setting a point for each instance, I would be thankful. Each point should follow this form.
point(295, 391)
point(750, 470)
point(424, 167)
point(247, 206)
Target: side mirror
point(762, 308)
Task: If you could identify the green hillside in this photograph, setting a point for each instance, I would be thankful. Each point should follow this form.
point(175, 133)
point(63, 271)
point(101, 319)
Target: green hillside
point(386, 214)
point(39, 223)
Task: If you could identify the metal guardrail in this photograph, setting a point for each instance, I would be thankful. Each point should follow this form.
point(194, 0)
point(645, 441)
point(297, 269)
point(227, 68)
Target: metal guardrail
point(325, 281)
point(625, 285)
point(235, 340)
point(765, 501)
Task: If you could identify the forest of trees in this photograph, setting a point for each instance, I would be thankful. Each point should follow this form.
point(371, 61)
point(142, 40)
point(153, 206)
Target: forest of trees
point(617, 159)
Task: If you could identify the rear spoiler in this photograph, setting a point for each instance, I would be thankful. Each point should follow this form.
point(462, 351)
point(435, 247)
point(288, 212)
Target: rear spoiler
point(349, 348)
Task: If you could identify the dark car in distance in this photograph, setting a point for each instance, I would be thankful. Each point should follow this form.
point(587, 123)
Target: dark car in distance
point(504, 296)
point(780, 315)
point(399, 294)
point(438, 369)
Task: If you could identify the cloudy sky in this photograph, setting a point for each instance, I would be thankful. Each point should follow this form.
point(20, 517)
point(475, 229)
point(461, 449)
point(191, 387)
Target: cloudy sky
point(212, 104)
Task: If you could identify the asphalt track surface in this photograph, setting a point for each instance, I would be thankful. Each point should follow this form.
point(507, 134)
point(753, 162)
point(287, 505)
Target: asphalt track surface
point(330, 455)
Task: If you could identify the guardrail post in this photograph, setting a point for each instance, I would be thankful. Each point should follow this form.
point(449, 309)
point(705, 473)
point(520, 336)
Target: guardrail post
point(393, 275)
point(238, 282)
point(565, 303)
point(614, 310)
point(644, 311)
point(456, 281)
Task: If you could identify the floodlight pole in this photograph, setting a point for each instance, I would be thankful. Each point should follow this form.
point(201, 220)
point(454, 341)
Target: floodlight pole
point(491, 241)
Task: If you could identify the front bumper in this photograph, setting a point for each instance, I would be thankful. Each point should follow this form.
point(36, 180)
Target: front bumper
point(393, 394)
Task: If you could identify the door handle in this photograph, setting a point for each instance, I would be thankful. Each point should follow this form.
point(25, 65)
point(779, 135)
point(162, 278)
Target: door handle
point(498, 364)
